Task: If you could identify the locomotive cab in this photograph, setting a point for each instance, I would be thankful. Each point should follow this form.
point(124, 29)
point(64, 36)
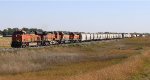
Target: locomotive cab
point(17, 38)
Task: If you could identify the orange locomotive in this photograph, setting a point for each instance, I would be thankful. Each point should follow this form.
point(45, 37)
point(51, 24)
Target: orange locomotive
point(74, 37)
point(64, 37)
point(21, 39)
point(48, 38)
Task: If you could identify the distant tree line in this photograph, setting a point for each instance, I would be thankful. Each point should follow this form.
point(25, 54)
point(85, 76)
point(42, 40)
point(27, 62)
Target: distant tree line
point(9, 31)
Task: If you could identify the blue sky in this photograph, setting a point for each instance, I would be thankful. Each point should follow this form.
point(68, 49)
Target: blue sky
point(77, 15)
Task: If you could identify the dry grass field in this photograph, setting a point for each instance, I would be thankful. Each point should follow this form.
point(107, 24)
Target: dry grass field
point(125, 59)
point(5, 42)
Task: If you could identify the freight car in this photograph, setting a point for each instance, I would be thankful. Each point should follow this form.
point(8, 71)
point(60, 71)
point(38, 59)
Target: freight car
point(22, 39)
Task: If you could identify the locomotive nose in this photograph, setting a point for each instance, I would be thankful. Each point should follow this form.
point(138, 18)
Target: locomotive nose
point(17, 39)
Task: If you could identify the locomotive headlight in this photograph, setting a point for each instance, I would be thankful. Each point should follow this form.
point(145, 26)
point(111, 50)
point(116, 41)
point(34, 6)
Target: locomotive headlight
point(18, 41)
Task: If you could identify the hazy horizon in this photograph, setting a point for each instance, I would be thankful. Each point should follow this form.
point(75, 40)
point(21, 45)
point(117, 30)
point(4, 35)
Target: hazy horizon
point(80, 15)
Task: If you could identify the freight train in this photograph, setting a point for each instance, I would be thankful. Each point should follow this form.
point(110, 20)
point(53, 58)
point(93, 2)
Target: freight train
point(21, 39)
